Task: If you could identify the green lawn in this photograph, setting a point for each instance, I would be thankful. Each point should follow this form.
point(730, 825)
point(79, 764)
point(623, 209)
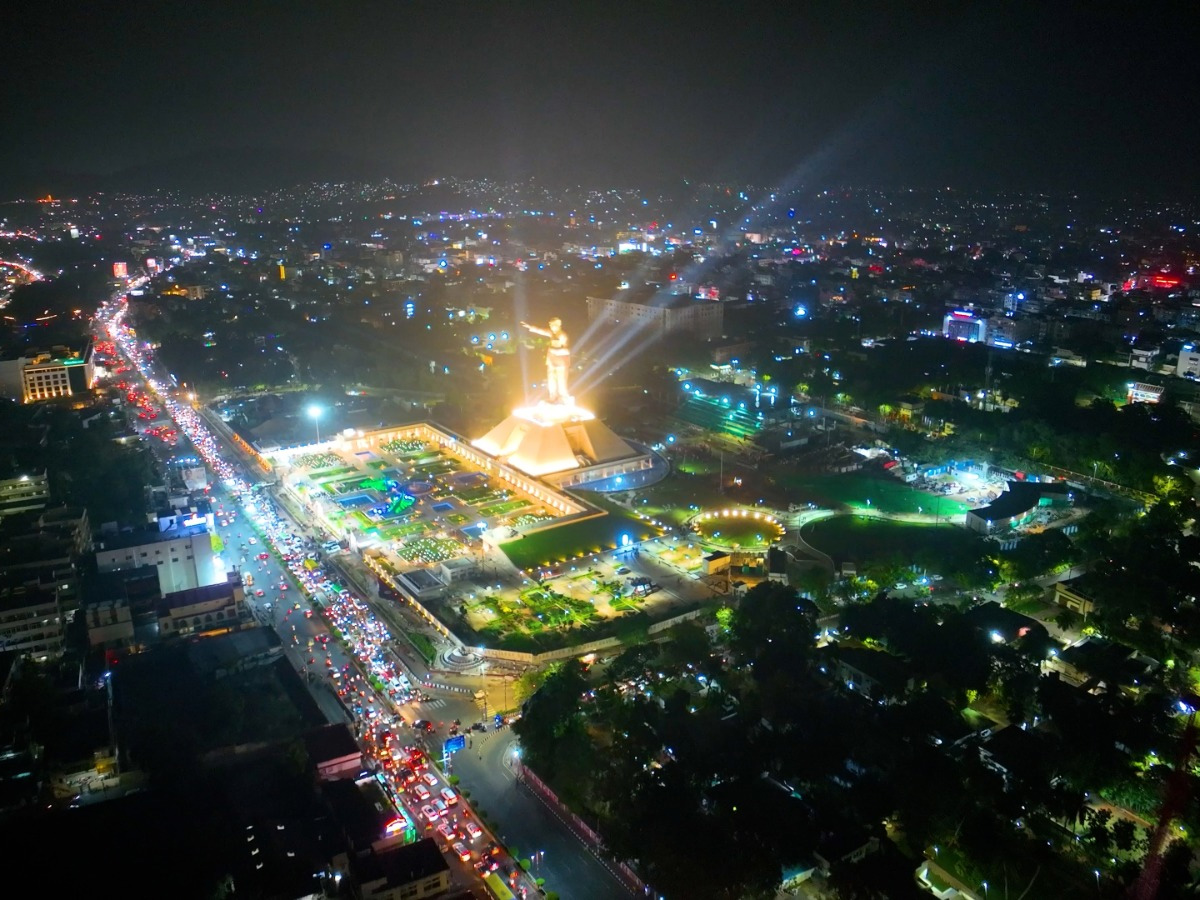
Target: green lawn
point(555, 545)
point(737, 532)
point(854, 490)
point(503, 508)
point(862, 539)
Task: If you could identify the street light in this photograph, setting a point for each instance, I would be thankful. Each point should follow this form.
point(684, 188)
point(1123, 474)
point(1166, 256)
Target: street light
point(314, 413)
point(985, 889)
point(1096, 872)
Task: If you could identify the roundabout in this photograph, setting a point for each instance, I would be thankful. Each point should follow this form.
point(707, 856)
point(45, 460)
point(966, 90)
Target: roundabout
point(737, 529)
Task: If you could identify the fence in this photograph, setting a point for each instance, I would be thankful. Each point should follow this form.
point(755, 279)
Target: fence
point(583, 831)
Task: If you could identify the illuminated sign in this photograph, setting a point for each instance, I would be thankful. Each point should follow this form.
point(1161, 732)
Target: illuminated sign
point(120, 270)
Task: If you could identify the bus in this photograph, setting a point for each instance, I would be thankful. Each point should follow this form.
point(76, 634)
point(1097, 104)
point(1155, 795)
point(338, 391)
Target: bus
point(498, 888)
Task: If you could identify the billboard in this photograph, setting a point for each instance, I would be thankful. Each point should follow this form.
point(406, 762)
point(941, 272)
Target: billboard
point(120, 270)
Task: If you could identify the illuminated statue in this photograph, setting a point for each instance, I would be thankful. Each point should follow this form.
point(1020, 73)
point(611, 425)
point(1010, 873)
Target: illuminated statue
point(558, 360)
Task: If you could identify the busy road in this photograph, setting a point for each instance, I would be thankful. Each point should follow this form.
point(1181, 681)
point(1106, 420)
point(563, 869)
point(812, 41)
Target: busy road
point(333, 637)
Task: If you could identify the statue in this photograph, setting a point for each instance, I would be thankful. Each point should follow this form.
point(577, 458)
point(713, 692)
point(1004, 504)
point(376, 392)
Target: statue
point(558, 360)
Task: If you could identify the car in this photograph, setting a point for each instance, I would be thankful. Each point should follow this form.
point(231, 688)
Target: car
point(430, 814)
point(901, 586)
point(439, 804)
point(430, 779)
point(264, 556)
point(486, 866)
point(423, 725)
point(478, 726)
point(446, 831)
point(474, 832)
point(421, 791)
point(449, 796)
point(259, 593)
point(461, 849)
point(253, 540)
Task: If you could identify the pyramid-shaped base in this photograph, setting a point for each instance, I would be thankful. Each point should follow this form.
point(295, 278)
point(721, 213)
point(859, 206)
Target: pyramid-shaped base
point(550, 438)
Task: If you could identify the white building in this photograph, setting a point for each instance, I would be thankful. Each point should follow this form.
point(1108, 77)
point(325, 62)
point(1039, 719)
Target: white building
point(184, 557)
point(1189, 362)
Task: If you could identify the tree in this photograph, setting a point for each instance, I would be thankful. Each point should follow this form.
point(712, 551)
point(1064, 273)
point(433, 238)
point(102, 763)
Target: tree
point(550, 714)
point(1096, 831)
point(1124, 835)
point(774, 629)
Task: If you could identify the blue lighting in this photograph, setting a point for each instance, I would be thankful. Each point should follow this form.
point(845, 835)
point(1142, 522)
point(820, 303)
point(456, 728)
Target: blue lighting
point(800, 312)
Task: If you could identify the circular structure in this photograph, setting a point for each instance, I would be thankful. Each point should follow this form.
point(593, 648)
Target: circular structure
point(418, 488)
point(737, 529)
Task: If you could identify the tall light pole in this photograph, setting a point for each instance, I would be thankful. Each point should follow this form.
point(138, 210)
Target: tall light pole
point(314, 413)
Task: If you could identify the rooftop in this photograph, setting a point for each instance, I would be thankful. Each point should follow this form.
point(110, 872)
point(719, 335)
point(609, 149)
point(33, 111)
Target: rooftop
point(330, 742)
point(145, 536)
point(204, 594)
point(1019, 498)
point(404, 865)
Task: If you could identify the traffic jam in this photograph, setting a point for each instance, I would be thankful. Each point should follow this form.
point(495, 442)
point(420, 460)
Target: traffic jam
point(374, 699)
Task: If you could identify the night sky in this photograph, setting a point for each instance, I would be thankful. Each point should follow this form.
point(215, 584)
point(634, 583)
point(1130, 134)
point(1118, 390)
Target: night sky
point(1047, 96)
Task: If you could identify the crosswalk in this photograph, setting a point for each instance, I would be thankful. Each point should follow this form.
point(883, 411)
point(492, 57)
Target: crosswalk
point(436, 703)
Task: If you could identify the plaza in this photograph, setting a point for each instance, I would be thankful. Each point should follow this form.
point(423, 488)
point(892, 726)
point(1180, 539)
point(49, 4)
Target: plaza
point(418, 495)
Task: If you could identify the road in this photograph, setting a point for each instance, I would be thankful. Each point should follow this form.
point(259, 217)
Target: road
point(255, 526)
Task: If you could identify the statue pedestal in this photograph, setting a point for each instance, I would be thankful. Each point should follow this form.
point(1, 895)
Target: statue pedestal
point(553, 438)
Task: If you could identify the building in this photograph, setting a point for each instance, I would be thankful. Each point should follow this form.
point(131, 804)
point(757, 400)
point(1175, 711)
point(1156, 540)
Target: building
point(1143, 358)
point(460, 568)
point(1005, 626)
point(211, 607)
point(109, 624)
point(225, 654)
point(1188, 365)
point(183, 555)
point(410, 872)
point(965, 325)
point(334, 752)
point(42, 553)
point(1095, 663)
point(1140, 392)
point(1016, 755)
point(32, 621)
point(39, 375)
point(659, 314)
point(1014, 507)
point(875, 674)
point(24, 492)
point(1075, 594)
